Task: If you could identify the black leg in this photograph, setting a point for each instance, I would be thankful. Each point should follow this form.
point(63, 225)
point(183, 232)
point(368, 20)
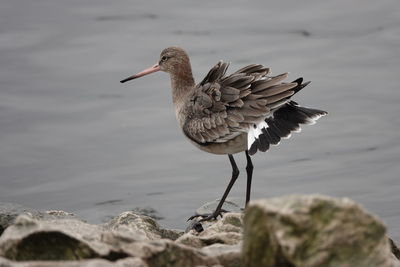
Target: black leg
point(235, 175)
point(249, 170)
point(217, 212)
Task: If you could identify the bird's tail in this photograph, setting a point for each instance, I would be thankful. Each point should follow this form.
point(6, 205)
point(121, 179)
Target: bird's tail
point(281, 124)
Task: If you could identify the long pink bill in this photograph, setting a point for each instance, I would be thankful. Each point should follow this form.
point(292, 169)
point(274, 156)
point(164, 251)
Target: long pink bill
point(152, 69)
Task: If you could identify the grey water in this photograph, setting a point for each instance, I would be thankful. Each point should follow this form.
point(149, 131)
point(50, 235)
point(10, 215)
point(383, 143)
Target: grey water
point(73, 138)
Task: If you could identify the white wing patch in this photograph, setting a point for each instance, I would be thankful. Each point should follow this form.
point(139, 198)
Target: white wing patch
point(254, 132)
point(280, 124)
point(312, 120)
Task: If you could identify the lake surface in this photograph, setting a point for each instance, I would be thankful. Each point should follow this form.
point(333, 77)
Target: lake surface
point(73, 138)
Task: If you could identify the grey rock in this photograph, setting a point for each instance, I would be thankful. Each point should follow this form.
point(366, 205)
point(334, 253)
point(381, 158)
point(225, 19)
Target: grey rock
point(59, 214)
point(313, 231)
point(127, 262)
point(394, 261)
point(30, 239)
point(227, 255)
point(394, 248)
point(132, 262)
point(286, 231)
point(229, 205)
point(59, 239)
point(395, 253)
point(227, 230)
point(10, 211)
point(164, 252)
point(141, 224)
point(148, 211)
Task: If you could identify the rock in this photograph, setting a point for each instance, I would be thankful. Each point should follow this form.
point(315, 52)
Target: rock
point(395, 253)
point(226, 231)
point(131, 262)
point(30, 239)
point(287, 231)
point(394, 248)
point(229, 204)
point(145, 225)
point(165, 252)
point(10, 211)
point(59, 239)
point(147, 211)
point(227, 255)
point(59, 214)
point(394, 261)
point(127, 262)
point(313, 231)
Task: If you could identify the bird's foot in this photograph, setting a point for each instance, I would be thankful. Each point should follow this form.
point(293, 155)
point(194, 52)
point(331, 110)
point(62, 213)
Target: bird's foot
point(197, 226)
point(209, 216)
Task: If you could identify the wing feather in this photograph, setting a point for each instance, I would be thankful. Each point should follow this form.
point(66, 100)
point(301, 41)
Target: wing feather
point(222, 107)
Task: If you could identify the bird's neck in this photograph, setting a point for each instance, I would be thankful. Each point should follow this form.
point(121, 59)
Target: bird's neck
point(182, 83)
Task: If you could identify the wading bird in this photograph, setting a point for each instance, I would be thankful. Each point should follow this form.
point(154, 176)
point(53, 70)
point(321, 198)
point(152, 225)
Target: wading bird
point(246, 111)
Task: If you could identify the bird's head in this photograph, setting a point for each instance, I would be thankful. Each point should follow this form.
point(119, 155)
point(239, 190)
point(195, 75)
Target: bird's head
point(173, 60)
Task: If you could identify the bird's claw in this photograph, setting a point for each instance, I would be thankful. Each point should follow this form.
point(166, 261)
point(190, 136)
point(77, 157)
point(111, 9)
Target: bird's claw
point(208, 217)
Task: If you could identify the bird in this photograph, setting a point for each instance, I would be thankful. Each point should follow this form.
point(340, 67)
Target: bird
point(225, 114)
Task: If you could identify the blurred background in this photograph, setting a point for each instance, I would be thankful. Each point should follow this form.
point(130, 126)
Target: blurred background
point(73, 138)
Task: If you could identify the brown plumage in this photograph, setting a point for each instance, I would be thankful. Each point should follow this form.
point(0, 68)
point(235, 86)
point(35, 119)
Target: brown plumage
point(247, 110)
point(238, 101)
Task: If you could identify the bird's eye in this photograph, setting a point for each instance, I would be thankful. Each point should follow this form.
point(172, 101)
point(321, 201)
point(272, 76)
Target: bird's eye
point(164, 58)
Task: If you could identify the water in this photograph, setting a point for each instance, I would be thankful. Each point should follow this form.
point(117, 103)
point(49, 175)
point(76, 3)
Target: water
point(73, 138)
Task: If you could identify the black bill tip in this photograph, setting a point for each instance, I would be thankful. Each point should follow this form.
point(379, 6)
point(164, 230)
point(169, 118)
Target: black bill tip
point(128, 79)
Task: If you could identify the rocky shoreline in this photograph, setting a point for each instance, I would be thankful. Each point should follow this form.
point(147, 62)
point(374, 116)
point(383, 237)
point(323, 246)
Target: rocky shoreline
point(298, 230)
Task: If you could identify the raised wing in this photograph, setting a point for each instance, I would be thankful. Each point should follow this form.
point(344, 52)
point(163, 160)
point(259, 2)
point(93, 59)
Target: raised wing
point(222, 107)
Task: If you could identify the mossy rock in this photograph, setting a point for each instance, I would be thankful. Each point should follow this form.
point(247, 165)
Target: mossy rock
point(49, 246)
point(313, 231)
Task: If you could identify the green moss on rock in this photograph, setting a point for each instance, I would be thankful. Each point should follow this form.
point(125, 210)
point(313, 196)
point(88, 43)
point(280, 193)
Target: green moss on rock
point(49, 246)
point(312, 231)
